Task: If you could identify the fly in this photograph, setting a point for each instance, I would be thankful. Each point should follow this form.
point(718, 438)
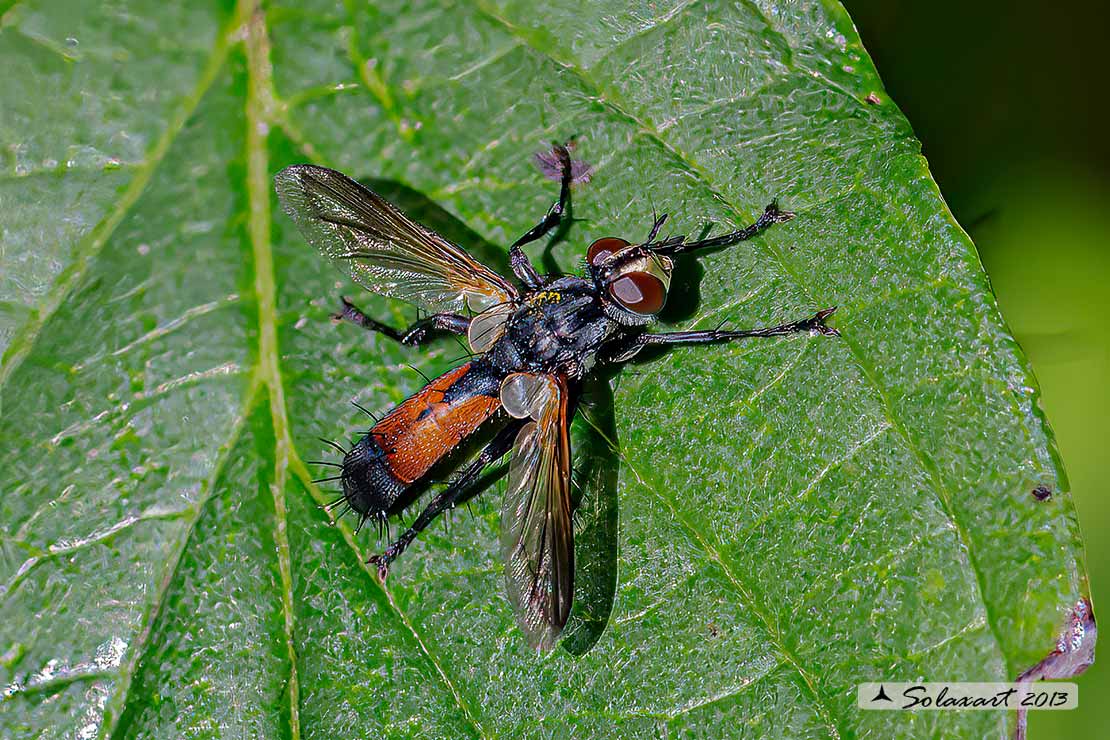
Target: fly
point(533, 341)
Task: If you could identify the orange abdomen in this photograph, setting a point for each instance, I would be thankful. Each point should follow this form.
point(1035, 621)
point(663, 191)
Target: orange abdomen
point(429, 425)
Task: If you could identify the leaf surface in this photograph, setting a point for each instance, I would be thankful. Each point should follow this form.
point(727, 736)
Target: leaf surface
point(796, 515)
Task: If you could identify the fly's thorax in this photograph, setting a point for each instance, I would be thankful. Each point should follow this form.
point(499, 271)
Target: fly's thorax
point(558, 327)
point(560, 307)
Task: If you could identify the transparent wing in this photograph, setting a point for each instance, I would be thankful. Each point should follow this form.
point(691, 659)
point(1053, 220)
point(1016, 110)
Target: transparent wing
point(383, 249)
point(537, 533)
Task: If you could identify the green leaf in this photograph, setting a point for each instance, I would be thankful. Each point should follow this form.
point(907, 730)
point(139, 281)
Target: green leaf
point(796, 515)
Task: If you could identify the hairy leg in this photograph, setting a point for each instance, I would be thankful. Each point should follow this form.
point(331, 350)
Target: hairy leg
point(417, 333)
point(678, 244)
point(519, 261)
point(815, 323)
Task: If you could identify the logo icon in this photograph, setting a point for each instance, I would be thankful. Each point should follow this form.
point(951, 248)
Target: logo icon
point(881, 696)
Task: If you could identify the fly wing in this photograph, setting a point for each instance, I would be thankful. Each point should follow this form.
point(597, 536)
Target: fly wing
point(537, 533)
point(383, 249)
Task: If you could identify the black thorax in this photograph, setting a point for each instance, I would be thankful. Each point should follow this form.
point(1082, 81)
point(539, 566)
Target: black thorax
point(557, 327)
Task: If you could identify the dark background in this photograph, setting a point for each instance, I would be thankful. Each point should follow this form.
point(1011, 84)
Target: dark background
point(1010, 101)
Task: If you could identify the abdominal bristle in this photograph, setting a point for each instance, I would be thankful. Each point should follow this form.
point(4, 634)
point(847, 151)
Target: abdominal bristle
point(336, 445)
point(332, 504)
point(363, 409)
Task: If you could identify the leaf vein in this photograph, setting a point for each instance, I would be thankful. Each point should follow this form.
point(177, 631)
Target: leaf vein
point(298, 468)
point(139, 647)
point(770, 627)
point(92, 244)
point(71, 546)
point(668, 17)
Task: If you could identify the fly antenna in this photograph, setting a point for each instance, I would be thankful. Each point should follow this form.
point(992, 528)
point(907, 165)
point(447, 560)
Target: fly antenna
point(324, 462)
point(329, 478)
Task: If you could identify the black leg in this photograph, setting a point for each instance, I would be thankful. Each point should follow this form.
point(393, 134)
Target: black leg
point(415, 334)
point(460, 490)
point(519, 261)
point(655, 226)
point(815, 323)
point(678, 245)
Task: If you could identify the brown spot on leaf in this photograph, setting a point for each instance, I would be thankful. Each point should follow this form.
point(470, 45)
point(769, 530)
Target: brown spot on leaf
point(873, 99)
point(1042, 493)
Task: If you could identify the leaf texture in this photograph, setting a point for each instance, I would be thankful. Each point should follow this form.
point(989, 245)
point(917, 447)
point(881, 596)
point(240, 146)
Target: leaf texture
point(797, 515)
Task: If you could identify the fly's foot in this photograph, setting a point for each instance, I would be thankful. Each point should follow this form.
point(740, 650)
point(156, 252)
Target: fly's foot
point(773, 215)
point(349, 312)
point(557, 160)
point(383, 562)
point(386, 559)
point(817, 323)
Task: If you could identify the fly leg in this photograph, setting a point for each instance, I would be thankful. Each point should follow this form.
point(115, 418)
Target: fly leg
point(678, 245)
point(655, 226)
point(461, 489)
point(815, 323)
point(415, 334)
point(522, 266)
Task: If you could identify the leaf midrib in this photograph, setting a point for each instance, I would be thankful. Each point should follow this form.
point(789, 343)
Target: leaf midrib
point(259, 86)
point(263, 107)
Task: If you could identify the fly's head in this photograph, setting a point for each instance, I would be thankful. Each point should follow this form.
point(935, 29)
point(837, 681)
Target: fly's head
point(632, 280)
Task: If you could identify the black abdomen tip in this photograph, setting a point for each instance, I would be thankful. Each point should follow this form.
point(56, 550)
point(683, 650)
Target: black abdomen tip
point(369, 485)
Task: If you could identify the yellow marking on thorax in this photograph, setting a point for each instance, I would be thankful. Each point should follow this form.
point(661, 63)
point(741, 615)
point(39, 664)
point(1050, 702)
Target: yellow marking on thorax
point(547, 296)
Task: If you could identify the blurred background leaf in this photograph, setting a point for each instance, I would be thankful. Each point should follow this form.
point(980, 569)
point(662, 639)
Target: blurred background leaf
point(795, 516)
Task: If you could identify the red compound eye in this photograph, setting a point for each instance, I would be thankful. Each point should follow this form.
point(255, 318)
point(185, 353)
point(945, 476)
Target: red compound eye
point(600, 250)
point(641, 292)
